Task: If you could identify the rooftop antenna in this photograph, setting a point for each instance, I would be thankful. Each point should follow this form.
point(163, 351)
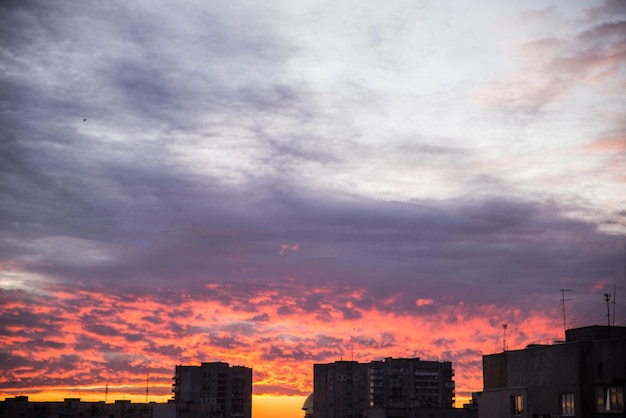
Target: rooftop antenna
point(614, 297)
point(106, 392)
point(614, 286)
point(607, 299)
point(504, 347)
point(147, 380)
point(352, 346)
point(563, 301)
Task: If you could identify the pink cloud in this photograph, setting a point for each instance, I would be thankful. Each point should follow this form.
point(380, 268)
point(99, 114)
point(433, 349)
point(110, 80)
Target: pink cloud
point(286, 247)
point(117, 340)
point(424, 302)
point(552, 67)
point(611, 144)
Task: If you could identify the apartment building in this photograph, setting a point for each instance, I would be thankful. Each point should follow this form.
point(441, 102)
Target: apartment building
point(411, 382)
point(213, 390)
point(340, 389)
point(402, 388)
point(583, 377)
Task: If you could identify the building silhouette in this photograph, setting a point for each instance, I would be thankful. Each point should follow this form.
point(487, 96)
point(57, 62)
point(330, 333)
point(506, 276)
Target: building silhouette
point(401, 383)
point(398, 388)
point(340, 389)
point(583, 377)
point(21, 407)
point(213, 390)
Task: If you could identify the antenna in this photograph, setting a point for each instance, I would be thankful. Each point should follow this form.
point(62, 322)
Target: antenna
point(147, 380)
point(614, 286)
point(614, 297)
point(106, 392)
point(504, 347)
point(352, 345)
point(563, 300)
point(607, 299)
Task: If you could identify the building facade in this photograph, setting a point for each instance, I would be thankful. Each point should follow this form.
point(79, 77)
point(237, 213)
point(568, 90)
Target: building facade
point(213, 390)
point(391, 387)
point(340, 389)
point(411, 382)
point(21, 407)
point(583, 377)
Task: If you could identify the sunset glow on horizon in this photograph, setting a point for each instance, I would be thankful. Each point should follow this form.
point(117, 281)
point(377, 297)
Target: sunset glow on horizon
point(101, 342)
point(293, 183)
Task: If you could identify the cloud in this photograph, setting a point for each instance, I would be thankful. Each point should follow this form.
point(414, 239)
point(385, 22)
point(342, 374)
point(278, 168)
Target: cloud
point(286, 247)
point(552, 68)
point(292, 336)
point(465, 243)
point(608, 10)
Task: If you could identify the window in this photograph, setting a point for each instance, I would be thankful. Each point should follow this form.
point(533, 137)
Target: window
point(517, 405)
point(610, 399)
point(567, 405)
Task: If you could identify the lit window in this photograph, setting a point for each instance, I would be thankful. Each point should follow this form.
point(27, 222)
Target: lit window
point(567, 405)
point(610, 399)
point(517, 405)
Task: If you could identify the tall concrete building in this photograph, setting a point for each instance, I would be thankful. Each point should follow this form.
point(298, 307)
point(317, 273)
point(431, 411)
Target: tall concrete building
point(392, 387)
point(411, 382)
point(213, 390)
point(583, 377)
point(340, 389)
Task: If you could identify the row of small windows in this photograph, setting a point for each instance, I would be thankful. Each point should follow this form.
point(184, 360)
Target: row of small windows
point(566, 399)
point(608, 399)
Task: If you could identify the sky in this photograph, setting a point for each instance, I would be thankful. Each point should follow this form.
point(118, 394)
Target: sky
point(286, 183)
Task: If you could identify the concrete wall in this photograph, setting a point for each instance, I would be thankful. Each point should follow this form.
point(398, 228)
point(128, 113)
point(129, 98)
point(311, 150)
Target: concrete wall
point(497, 403)
point(545, 372)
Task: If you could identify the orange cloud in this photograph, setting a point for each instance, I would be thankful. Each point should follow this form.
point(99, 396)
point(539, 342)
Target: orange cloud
point(610, 144)
point(98, 339)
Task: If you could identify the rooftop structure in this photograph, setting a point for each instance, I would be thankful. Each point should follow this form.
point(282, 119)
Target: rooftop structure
point(584, 377)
